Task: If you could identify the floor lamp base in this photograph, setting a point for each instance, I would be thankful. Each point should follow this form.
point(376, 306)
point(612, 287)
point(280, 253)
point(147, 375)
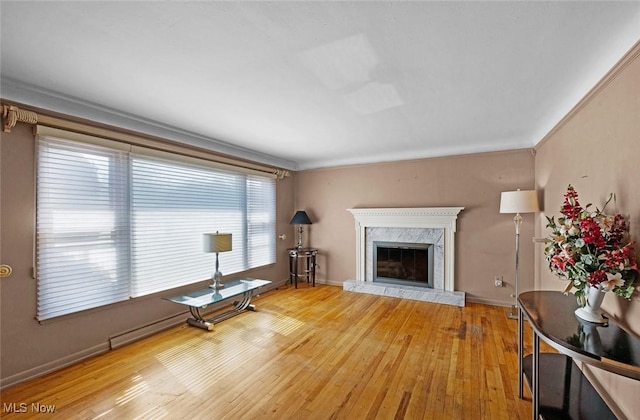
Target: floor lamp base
point(513, 313)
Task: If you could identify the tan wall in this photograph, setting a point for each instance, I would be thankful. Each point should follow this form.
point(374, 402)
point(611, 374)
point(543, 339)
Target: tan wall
point(484, 239)
point(597, 150)
point(28, 347)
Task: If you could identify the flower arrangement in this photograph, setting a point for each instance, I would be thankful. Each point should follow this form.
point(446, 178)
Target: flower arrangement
point(591, 248)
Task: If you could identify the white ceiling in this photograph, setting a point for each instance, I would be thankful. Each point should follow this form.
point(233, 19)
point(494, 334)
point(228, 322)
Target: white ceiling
point(318, 83)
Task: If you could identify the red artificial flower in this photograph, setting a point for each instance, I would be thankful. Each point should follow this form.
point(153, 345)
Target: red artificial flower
point(591, 233)
point(570, 207)
point(618, 229)
point(560, 262)
point(597, 277)
point(629, 253)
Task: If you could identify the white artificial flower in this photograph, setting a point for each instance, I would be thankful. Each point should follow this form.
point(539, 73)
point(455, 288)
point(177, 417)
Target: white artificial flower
point(612, 281)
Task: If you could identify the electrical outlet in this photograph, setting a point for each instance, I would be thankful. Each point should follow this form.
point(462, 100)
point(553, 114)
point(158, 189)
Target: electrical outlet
point(498, 281)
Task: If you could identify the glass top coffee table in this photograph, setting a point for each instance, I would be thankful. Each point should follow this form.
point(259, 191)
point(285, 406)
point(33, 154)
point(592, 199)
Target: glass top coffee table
point(242, 289)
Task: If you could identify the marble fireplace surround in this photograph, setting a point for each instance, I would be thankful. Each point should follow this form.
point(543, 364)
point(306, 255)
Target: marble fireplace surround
point(435, 225)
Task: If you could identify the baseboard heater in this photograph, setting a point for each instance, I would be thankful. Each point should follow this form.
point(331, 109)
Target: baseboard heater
point(145, 331)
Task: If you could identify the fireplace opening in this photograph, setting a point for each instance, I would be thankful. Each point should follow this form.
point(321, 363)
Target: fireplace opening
point(403, 263)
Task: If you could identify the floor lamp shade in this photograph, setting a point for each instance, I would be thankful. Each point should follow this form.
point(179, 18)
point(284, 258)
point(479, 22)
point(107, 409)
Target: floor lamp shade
point(520, 201)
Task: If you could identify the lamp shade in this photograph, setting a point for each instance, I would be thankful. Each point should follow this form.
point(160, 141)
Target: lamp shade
point(216, 242)
point(300, 218)
point(519, 201)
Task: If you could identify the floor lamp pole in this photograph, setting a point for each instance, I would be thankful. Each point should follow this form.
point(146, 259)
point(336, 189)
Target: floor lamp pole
point(515, 314)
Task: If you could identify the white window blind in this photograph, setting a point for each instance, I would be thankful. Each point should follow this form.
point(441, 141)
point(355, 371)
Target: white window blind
point(261, 203)
point(143, 218)
point(173, 204)
point(82, 227)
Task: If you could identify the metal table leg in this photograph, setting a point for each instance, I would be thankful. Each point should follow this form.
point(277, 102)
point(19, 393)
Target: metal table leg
point(520, 352)
point(295, 270)
point(238, 307)
point(313, 269)
point(535, 374)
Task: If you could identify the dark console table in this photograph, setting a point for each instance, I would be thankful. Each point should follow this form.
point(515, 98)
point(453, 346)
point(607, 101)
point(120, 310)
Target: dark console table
point(559, 389)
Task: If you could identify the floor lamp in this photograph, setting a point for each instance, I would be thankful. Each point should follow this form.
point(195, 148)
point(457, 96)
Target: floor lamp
point(518, 202)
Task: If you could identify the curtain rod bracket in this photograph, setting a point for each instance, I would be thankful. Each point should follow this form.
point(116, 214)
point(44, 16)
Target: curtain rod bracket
point(12, 114)
point(281, 174)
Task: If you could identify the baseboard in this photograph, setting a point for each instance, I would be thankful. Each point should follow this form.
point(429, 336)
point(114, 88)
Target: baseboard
point(492, 302)
point(53, 365)
point(329, 282)
point(145, 331)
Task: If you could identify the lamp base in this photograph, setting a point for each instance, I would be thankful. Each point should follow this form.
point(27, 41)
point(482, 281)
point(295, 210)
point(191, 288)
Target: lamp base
point(216, 281)
point(299, 244)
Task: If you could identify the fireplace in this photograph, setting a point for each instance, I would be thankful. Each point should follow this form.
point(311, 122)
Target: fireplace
point(403, 263)
point(434, 226)
point(406, 236)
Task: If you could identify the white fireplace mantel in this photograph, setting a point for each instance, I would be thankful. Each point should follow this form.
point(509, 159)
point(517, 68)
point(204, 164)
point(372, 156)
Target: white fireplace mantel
point(422, 217)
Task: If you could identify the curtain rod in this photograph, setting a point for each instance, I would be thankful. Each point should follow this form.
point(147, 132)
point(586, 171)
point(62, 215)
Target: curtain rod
point(12, 114)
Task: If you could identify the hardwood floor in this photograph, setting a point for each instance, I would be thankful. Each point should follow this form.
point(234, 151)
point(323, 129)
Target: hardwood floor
point(308, 353)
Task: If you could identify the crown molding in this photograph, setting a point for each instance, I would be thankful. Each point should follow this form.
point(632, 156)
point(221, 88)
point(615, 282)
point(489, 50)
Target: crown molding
point(38, 97)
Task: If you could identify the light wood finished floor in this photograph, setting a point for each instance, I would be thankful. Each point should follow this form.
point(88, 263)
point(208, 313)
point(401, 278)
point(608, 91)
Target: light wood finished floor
point(310, 353)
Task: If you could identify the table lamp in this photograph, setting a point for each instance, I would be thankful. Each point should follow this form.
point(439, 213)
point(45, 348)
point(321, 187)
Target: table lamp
point(518, 202)
point(216, 242)
point(300, 218)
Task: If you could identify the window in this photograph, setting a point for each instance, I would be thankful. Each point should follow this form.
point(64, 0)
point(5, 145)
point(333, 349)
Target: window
point(115, 224)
